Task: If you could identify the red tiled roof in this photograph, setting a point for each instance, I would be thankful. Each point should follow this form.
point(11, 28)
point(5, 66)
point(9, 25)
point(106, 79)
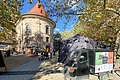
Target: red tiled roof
point(38, 9)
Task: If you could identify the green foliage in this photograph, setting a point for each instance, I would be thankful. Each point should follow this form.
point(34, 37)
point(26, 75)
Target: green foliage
point(99, 23)
point(62, 9)
point(9, 14)
point(94, 16)
point(57, 36)
point(66, 35)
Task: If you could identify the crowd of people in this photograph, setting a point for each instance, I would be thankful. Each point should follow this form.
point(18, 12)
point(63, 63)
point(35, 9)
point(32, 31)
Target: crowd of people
point(42, 52)
point(9, 52)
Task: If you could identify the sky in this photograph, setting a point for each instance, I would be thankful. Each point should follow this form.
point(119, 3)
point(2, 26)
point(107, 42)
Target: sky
point(59, 25)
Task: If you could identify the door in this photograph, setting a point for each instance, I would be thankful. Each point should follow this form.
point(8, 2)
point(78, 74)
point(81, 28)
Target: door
point(83, 64)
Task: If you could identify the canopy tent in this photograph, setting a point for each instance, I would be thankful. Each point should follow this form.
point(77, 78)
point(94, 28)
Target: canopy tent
point(74, 43)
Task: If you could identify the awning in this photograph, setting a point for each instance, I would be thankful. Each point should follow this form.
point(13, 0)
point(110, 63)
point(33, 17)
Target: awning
point(6, 43)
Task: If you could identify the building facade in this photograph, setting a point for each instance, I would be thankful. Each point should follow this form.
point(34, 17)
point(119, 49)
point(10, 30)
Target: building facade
point(34, 29)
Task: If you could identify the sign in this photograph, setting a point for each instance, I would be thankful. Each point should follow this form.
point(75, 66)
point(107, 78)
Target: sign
point(103, 62)
point(2, 62)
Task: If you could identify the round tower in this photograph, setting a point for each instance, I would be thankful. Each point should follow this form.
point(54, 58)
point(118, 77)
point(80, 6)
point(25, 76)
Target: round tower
point(34, 29)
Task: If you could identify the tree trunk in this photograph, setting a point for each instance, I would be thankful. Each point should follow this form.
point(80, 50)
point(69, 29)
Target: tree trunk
point(117, 48)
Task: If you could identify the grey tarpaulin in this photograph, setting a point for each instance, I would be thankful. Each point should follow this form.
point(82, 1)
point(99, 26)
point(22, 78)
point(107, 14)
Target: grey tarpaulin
point(76, 42)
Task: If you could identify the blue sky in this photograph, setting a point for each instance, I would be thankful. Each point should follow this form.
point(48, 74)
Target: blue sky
point(59, 25)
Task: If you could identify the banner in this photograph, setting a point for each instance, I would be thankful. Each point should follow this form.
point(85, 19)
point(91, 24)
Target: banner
point(103, 62)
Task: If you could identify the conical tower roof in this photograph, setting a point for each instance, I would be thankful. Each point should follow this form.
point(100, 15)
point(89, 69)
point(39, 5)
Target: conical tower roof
point(38, 9)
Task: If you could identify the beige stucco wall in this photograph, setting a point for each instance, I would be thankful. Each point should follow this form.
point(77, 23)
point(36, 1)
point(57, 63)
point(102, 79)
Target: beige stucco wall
point(37, 25)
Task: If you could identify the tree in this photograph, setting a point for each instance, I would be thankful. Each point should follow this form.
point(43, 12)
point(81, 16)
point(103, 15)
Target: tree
point(99, 22)
point(10, 12)
point(60, 9)
point(34, 41)
point(57, 39)
point(68, 9)
point(66, 34)
point(57, 36)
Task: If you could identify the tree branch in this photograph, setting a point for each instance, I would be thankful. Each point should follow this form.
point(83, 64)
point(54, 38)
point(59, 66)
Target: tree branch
point(113, 10)
point(104, 4)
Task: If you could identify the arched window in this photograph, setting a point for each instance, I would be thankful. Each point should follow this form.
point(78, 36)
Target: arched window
point(47, 39)
point(47, 29)
point(28, 31)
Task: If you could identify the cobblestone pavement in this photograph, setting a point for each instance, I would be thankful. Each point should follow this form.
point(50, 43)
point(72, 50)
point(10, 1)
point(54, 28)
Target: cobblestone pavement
point(17, 60)
point(23, 72)
point(41, 70)
point(50, 72)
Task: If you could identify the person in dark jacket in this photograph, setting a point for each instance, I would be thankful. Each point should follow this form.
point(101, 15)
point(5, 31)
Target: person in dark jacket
point(36, 52)
point(8, 53)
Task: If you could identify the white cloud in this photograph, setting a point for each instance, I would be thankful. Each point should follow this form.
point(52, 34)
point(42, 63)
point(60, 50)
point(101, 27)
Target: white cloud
point(74, 6)
point(71, 26)
point(56, 29)
point(54, 32)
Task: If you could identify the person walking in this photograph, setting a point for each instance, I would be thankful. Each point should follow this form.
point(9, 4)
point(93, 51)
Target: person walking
point(36, 51)
point(24, 51)
point(8, 53)
point(46, 52)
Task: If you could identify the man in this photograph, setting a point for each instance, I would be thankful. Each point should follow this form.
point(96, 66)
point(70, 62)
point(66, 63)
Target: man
point(47, 50)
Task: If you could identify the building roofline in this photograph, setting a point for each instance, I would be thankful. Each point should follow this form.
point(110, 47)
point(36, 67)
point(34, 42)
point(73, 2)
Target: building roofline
point(37, 10)
point(37, 16)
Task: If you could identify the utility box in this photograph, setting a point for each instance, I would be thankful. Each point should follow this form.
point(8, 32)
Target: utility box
point(101, 60)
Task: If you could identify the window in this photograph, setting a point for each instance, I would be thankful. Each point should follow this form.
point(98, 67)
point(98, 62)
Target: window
point(28, 29)
point(47, 39)
point(83, 56)
point(41, 11)
point(39, 6)
point(47, 29)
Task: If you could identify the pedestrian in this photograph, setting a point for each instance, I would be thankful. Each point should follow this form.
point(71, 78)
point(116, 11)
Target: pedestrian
point(24, 51)
point(36, 52)
point(46, 52)
point(53, 52)
point(42, 52)
point(12, 51)
point(33, 51)
point(8, 53)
